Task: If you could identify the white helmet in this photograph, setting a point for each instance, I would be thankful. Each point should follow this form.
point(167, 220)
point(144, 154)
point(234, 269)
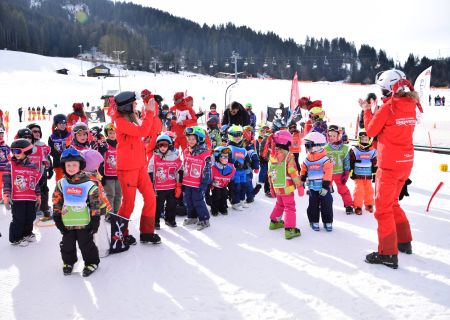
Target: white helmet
point(387, 79)
point(314, 141)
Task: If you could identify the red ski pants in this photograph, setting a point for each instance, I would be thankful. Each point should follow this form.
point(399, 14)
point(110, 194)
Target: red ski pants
point(363, 193)
point(343, 190)
point(393, 225)
point(130, 181)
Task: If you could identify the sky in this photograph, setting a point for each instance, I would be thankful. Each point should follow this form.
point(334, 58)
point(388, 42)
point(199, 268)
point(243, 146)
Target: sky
point(399, 27)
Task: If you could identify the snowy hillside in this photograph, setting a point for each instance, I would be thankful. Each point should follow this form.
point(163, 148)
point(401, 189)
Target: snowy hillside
point(237, 268)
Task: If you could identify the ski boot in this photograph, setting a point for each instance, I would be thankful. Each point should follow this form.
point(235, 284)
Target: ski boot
point(269, 195)
point(67, 269)
point(30, 238)
point(276, 224)
point(390, 261)
point(214, 213)
point(237, 207)
point(328, 227)
point(157, 225)
point(405, 247)
point(244, 204)
point(358, 211)
point(224, 211)
point(202, 224)
point(46, 216)
point(369, 208)
point(129, 240)
point(171, 223)
point(348, 210)
point(152, 238)
point(257, 189)
point(315, 226)
point(89, 269)
point(21, 243)
point(290, 233)
point(189, 221)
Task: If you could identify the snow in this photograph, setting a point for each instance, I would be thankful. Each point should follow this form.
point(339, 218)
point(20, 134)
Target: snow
point(237, 268)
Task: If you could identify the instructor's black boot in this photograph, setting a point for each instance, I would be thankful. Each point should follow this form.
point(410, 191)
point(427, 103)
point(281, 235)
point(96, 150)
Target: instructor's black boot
point(405, 247)
point(150, 238)
point(390, 261)
point(118, 226)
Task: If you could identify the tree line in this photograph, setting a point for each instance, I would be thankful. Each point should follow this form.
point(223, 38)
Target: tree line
point(151, 38)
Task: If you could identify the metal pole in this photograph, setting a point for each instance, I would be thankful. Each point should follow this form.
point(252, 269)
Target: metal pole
point(118, 62)
point(81, 60)
point(234, 57)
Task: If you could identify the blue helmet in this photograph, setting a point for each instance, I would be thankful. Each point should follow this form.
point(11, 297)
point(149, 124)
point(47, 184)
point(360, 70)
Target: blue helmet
point(164, 137)
point(219, 150)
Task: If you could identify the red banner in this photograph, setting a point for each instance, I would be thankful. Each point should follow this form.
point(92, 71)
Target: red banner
point(295, 95)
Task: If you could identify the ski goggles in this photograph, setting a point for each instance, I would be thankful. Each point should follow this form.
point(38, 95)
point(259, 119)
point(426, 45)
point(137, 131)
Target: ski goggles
point(163, 144)
point(310, 144)
point(223, 156)
point(334, 127)
point(362, 134)
point(70, 152)
point(189, 130)
point(235, 134)
point(21, 150)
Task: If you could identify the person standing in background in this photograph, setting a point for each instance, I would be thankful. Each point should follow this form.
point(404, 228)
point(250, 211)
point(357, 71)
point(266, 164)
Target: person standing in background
point(20, 112)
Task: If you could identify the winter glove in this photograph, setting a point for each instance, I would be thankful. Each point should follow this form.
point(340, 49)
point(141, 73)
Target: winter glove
point(59, 224)
point(272, 192)
point(301, 190)
point(178, 190)
point(373, 178)
point(256, 171)
point(238, 165)
point(404, 192)
point(92, 227)
point(38, 202)
point(49, 174)
point(352, 175)
point(7, 201)
point(344, 177)
point(323, 192)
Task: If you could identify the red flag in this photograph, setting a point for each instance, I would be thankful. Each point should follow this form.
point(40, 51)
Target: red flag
point(294, 92)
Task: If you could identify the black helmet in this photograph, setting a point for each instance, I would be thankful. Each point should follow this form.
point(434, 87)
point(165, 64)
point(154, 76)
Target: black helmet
point(22, 144)
point(96, 131)
point(31, 126)
point(25, 134)
point(124, 101)
point(59, 118)
point(72, 154)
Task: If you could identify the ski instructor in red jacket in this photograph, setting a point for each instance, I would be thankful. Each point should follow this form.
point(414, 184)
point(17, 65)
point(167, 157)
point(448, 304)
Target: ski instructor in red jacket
point(394, 125)
point(132, 172)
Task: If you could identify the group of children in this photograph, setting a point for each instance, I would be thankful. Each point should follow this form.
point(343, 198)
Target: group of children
point(217, 166)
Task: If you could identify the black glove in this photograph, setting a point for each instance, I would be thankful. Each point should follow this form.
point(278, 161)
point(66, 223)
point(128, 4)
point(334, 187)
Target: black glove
point(373, 178)
point(92, 227)
point(59, 224)
point(404, 192)
point(238, 165)
point(49, 174)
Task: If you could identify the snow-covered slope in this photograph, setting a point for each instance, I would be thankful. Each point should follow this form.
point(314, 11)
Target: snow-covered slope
point(237, 268)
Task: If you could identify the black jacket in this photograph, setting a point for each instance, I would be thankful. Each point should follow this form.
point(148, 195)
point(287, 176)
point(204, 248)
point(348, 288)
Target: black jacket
point(241, 118)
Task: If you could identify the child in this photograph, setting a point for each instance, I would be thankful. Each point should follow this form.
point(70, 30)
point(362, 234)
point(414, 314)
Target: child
point(296, 143)
point(337, 151)
point(76, 206)
point(57, 143)
point(264, 151)
point(212, 112)
point(22, 191)
point(283, 177)
point(80, 136)
point(108, 169)
point(98, 139)
point(222, 174)
point(363, 165)
point(41, 156)
point(214, 132)
point(252, 163)
point(4, 153)
point(238, 157)
point(196, 177)
point(318, 169)
point(165, 172)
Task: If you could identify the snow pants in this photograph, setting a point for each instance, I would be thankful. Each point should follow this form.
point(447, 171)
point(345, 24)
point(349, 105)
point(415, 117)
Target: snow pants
point(86, 244)
point(239, 186)
point(167, 198)
point(130, 181)
point(285, 204)
point(249, 187)
point(194, 198)
point(219, 200)
point(44, 207)
point(113, 193)
point(363, 193)
point(320, 205)
point(23, 215)
point(393, 225)
point(343, 190)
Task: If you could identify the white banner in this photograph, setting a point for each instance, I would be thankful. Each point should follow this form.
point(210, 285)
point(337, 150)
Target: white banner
point(422, 86)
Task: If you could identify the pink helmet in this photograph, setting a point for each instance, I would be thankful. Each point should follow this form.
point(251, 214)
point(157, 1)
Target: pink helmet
point(282, 137)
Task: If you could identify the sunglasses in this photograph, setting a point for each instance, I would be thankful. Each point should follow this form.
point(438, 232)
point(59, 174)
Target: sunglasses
point(163, 144)
point(70, 152)
point(236, 134)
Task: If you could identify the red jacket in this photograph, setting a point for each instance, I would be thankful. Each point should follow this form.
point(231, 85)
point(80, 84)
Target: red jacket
point(394, 125)
point(130, 146)
point(73, 118)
